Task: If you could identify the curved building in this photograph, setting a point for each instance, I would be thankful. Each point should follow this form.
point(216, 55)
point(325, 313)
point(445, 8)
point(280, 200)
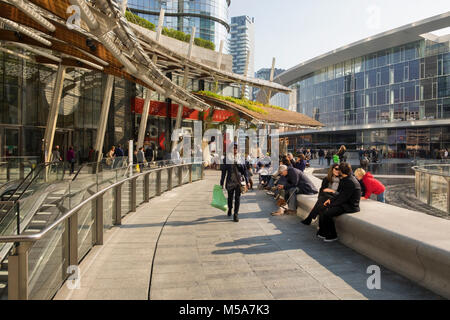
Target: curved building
point(390, 91)
point(210, 17)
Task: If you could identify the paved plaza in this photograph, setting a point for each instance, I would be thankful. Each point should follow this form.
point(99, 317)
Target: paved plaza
point(203, 254)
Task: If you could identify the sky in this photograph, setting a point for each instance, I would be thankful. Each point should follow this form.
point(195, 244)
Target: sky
point(294, 31)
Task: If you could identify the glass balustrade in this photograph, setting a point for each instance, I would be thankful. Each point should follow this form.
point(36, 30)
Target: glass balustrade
point(50, 198)
point(433, 185)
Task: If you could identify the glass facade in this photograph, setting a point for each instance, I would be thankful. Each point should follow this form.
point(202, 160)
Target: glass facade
point(26, 89)
point(209, 17)
point(25, 94)
point(395, 85)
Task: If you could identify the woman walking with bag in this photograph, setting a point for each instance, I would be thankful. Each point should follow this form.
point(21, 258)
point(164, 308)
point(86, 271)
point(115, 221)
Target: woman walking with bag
point(236, 182)
point(328, 190)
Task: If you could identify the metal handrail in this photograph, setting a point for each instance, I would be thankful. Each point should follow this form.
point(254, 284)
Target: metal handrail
point(40, 235)
point(434, 173)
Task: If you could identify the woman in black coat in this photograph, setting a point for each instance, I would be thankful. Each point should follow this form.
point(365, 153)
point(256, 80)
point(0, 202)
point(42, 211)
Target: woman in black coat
point(327, 191)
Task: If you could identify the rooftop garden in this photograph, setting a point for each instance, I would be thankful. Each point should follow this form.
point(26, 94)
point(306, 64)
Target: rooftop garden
point(248, 104)
point(172, 33)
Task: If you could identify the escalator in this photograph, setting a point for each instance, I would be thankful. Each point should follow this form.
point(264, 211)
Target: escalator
point(41, 198)
point(28, 208)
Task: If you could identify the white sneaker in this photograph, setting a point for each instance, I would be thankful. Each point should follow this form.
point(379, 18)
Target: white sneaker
point(270, 193)
point(331, 240)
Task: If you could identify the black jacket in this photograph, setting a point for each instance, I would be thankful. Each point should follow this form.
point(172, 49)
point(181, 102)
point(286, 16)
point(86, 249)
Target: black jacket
point(349, 195)
point(297, 179)
point(227, 173)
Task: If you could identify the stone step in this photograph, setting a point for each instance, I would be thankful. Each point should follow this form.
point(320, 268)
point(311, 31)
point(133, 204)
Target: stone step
point(4, 265)
point(4, 276)
point(32, 231)
point(38, 223)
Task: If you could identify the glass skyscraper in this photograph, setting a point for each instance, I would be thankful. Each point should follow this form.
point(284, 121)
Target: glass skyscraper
point(242, 47)
point(395, 98)
point(210, 17)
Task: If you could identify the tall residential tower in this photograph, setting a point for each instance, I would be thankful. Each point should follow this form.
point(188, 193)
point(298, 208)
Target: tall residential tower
point(242, 43)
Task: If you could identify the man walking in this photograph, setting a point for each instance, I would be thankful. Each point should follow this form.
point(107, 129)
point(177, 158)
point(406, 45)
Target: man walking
point(234, 174)
point(321, 157)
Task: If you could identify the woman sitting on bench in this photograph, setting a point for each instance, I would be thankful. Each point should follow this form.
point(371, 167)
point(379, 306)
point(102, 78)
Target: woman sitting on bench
point(328, 190)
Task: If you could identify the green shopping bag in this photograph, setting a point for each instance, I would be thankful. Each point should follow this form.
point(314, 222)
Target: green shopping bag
point(219, 201)
point(336, 159)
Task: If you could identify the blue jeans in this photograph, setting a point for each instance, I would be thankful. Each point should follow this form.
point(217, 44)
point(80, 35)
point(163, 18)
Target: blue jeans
point(321, 160)
point(380, 198)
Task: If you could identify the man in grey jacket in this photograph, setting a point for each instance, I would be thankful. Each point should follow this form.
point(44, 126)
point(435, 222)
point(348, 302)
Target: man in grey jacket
point(294, 182)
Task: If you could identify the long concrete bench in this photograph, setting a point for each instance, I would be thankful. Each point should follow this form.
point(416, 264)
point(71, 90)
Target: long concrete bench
point(413, 244)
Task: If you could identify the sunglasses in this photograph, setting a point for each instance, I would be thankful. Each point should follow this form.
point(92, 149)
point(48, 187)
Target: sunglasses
point(336, 169)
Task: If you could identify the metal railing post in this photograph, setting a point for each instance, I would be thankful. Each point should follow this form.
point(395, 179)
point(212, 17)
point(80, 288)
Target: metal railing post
point(202, 172)
point(147, 187)
point(429, 189)
point(118, 205)
point(18, 272)
point(169, 179)
point(73, 239)
point(180, 176)
point(158, 183)
point(448, 195)
point(133, 195)
point(99, 220)
point(190, 173)
point(21, 170)
point(8, 173)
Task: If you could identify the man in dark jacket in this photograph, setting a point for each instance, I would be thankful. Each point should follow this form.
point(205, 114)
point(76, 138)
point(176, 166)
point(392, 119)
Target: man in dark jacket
point(347, 201)
point(233, 173)
point(294, 182)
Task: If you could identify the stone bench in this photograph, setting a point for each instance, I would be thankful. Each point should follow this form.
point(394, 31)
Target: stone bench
point(413, 244)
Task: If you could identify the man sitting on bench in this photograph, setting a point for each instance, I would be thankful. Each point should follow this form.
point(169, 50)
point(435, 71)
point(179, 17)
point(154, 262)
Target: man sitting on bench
point(293, 182)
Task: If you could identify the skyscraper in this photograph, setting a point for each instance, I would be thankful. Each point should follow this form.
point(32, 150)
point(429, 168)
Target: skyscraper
point(242, 43)
point(210, 17)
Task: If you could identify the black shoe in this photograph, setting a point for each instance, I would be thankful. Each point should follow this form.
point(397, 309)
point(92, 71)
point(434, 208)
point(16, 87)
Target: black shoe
point(229, 213)
point(319, 235)
point(307, 221)
point(236, 218)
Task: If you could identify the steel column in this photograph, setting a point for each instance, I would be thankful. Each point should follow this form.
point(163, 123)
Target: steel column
point(247, 62)
point(158, 31)
point(219, 59)
point(272, 73)
point(144, 119)
point(185, 82)
point(103, 121)
point(53, 113)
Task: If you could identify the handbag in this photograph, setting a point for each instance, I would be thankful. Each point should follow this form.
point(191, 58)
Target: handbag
point(240, 179)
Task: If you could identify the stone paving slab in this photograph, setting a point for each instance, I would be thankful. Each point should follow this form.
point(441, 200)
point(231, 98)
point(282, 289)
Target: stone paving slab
point(202, 254)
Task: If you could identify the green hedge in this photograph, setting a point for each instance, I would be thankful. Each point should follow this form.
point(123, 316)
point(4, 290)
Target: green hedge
point(248, 104)
point(139, 21)
point(172, 33)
